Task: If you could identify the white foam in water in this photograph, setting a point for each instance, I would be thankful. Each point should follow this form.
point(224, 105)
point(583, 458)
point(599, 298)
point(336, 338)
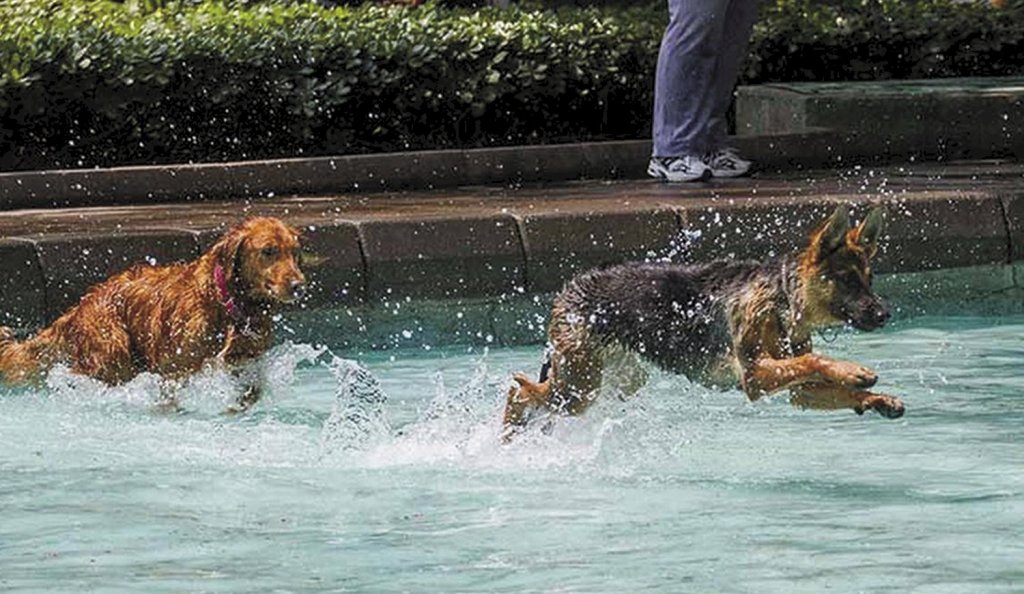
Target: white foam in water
point(143, 391)
point(149, 419)
point(341, 419)
point(451, 427)
point(211, 391)
point(454, 425)
point(460, 426)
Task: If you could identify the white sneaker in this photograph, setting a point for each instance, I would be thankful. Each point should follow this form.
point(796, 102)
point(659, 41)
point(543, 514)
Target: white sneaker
point(726, 163)
point(678, 169)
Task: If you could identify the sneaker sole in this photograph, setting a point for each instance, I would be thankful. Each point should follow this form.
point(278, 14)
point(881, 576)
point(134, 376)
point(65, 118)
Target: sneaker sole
point(729, 174)
point(659, 174)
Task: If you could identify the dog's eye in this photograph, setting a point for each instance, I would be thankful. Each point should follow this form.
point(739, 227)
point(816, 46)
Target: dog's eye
point(853, 279)
point(269, 252)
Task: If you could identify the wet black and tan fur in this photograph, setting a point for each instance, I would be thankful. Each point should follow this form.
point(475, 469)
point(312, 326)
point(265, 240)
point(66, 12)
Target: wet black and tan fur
point(726, 323)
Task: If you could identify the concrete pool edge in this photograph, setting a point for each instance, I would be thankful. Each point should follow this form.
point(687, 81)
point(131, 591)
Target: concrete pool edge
point(804, 149)
point(376, 172)
point(526, 247)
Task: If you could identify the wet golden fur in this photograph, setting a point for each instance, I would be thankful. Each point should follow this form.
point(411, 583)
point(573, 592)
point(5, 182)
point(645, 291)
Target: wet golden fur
point(170, 320)
point(752, 327)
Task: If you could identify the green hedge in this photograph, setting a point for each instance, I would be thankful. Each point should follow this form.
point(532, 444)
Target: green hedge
point(86, 84)
point(883, 39)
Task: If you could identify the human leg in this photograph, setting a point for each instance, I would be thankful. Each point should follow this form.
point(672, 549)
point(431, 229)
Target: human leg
point(685, 94)
point(739, 18)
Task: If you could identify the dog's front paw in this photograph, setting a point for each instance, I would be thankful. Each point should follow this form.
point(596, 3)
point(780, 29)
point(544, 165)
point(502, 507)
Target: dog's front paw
point(887, 406)
point(852, 375)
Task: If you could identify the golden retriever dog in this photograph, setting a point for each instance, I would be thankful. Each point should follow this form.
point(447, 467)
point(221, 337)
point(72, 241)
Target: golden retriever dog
point(172, 320)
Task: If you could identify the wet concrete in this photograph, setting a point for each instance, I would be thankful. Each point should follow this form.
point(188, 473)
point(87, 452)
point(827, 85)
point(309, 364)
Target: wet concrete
point(486, 241)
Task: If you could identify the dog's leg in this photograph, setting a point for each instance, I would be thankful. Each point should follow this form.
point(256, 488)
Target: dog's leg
point(831, 397)
point(522, 397)
point(571, 386)
point(101, 346)
point(766, 375)
point(168, 402)
point(624, 372)
point(250, 396)
point(632, 380)
point(250, 376)
point(573, 375)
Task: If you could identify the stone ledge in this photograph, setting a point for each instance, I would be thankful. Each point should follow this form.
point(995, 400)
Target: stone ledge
point(932, 118)
point(490, 244)
point(491, 256)
point(558, 245)
point(73, 263)
point(928, 231)
point(424, 170)
point(782, 127)
point(23, 288)
point(470, 255)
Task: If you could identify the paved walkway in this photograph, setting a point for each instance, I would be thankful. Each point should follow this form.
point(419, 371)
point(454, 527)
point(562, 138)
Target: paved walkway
point(487, 241)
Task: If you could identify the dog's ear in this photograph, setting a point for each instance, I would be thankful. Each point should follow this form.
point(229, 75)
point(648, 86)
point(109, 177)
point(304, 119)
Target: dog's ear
point(870, 229)
point(309, 259)
point(226, 251)
point(832, 233)
point(306, 258)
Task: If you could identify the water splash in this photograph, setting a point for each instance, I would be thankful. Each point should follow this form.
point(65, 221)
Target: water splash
point(680, 248)
point(320, 410)
point(357, 419)
point(460, 427)
point(454, 426)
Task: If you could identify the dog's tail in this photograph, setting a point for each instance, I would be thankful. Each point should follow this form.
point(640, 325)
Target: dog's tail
point(7, 347)
point(545, 369)
point(19, 361)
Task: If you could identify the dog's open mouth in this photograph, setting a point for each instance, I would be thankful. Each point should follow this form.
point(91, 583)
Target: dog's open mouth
point(283, 295)
point(868, 319)
point(866, 324)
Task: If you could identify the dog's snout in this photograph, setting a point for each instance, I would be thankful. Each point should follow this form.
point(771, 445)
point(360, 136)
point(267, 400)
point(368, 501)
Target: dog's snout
point(876, 313)
point(297, 288)
point(882, 314)
point(869, 313)
point(879, 311)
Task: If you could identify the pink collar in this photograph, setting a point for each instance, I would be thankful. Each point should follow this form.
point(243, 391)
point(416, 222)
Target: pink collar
point(224, 295)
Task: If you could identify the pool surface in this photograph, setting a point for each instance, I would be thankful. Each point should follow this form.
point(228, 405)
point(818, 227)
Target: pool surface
point(392, 479)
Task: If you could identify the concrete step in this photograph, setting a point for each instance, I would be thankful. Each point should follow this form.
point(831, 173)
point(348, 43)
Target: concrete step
point(934, 118)
point(490, 242)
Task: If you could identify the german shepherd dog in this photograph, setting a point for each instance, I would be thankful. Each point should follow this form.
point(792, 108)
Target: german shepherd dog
point(724, 324)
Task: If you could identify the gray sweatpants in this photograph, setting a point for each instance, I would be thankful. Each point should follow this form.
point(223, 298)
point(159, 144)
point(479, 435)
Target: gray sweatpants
point(701, 53)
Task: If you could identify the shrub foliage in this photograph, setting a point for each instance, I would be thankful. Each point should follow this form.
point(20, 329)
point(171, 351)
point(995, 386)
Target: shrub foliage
point(99, 83)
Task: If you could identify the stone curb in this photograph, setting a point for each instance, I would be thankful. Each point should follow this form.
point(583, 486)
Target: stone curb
point(425, 170)
point(70, 264)
point(508, 252)
point(394, 171)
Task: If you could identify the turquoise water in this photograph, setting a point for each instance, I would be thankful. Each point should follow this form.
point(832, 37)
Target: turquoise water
point(326, 487)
